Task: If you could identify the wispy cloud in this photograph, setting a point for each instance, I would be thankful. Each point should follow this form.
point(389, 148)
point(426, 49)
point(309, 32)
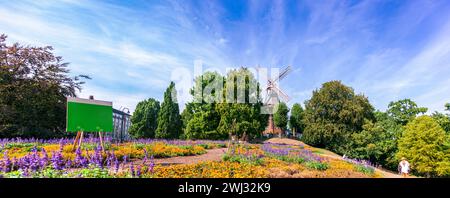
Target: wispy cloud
point(387, 50)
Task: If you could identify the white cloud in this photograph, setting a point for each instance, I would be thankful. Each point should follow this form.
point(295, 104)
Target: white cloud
point(131, 53)
point(119, 100)
point(223, 41)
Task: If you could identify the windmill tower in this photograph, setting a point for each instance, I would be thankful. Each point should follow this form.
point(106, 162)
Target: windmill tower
point(275, 95)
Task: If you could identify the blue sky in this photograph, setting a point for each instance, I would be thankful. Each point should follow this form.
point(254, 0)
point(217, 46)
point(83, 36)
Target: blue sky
point(388, 50)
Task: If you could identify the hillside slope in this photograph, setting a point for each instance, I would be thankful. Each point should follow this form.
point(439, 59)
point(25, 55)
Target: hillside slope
point(326, 153)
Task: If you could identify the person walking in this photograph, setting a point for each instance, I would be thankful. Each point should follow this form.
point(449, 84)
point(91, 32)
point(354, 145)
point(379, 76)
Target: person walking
point(404, 167)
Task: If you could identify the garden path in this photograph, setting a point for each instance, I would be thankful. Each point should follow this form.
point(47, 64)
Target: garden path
point(210, 155)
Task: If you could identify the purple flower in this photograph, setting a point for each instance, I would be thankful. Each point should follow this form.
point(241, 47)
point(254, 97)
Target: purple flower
point(6, 162)
point(116, 165)
point(132, 169)
point(145, 155)
point(79, 160)
point(31, 161)
point(98, 158)
point(152, 164)
point(57, 161)
point(25, 173)
point(44, 159)
point(68, 164)
point(138, 171)
point(109, 159)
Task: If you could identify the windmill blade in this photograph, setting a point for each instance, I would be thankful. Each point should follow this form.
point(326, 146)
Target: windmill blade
point(283, 73)
point(285, 97)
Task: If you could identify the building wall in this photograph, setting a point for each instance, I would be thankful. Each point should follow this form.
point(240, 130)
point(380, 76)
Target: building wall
point(121, 124)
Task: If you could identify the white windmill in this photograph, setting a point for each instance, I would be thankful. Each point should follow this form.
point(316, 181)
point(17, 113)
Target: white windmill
point(275, 95)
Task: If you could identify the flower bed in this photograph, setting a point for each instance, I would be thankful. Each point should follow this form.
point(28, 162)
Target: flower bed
point(27, 158)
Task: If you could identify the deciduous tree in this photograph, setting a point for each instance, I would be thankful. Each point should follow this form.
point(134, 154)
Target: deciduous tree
point(443, 120)
point(34, 84)
point(144, 119)
point(332, 114)
point(280, 117)
point(296, 119)
point(240, 110)
point(405, 110)
point(426, 146)
point(377, 142)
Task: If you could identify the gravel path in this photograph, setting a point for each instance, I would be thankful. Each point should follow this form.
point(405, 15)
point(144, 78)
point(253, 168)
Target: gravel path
point(210, 155)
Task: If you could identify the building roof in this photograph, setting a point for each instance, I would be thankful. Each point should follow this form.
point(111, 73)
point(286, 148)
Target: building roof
point(120, 112)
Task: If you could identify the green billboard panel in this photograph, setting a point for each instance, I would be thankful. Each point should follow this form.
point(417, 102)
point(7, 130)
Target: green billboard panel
point(89, 115)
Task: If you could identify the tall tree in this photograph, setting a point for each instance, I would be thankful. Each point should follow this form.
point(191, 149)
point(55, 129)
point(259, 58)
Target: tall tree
point(377, 142)
point(34, 84)
point(296, 119)
point(144, 119)
point(333, 113)
point(169, 119)
point(447, 106)
point(201, 117)
point(224, 105)
point(405, 110)
point(240, 110)
point(186, 116)
point(426, 146)
point(443, 120)
point(280, 117)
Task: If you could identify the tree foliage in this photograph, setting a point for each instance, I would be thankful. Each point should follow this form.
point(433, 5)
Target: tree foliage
point(443, 120)
point(200, 116)
point(34, 84)
point(426, 146)
point(405, 110)
point(377, 142)
point(186, 116)
point(144, 119)
point(280, 117)
point(232, 107)
point(296, 120)
point(332, 114)
point(169, 119)
point(240, 114)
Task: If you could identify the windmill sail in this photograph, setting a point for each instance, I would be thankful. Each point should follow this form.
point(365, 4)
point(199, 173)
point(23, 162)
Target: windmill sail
point(283, 73)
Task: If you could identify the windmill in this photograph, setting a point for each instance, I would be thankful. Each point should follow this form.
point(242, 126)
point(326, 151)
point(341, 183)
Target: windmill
point(275, 95)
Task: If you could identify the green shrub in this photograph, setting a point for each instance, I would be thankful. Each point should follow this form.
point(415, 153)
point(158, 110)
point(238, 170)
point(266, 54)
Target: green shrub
point(19, 145)
point(365, 169)
point(317, 165)
point(49, 173)
point(251, 159)
point(92, 172)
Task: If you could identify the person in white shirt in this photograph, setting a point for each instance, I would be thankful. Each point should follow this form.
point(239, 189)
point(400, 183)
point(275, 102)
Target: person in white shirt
point(404, 167)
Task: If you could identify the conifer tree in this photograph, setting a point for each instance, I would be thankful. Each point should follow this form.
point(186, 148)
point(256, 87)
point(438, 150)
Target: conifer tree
point(169, 119)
